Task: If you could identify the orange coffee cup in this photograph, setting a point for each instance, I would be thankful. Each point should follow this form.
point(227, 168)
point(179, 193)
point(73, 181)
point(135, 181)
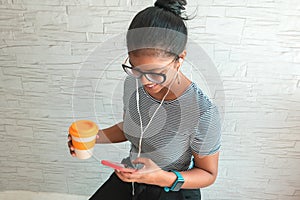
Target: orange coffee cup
point(83, 134)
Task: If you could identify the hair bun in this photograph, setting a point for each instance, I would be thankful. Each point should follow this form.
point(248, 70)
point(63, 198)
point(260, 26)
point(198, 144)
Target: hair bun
point(174, 6)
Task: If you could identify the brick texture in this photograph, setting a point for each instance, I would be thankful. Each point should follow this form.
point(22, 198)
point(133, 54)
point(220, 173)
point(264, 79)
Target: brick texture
point(49, 77)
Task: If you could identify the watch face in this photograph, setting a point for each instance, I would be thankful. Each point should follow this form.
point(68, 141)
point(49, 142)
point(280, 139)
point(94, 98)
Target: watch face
point(178, 186)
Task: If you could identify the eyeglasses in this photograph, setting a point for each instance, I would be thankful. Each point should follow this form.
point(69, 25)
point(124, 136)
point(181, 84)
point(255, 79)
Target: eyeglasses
point(157, 78)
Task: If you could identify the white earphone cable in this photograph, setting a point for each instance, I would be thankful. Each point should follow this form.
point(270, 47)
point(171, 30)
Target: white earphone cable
point(140, 117)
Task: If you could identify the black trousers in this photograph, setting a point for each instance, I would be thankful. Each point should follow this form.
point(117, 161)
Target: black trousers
point(115, 189)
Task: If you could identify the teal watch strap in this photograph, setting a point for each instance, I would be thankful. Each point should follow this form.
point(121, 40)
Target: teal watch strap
point(177, 184)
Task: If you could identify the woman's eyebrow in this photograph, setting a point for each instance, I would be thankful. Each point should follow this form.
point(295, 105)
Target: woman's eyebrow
point(155, 69)
point(130, 63)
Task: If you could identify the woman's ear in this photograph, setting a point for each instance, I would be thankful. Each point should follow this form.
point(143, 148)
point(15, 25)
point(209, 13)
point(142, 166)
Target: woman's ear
point(180, 60)
point(182, 57)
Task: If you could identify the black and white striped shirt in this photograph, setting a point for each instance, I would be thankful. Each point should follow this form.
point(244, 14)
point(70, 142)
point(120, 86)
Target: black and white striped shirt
point(190, 123)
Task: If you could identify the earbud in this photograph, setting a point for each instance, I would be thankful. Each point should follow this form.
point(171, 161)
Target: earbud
point(180, 60)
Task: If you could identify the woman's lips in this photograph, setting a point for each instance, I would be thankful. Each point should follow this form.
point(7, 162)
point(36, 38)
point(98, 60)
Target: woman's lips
point(150, 86)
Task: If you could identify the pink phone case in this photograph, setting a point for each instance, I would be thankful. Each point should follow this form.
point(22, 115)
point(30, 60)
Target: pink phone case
point(114, 165)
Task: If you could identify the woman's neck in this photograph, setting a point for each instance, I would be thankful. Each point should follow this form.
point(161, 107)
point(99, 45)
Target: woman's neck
point(180, 85)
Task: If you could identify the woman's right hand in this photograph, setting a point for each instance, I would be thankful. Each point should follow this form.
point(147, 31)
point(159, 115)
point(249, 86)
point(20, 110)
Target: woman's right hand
point(70, 145)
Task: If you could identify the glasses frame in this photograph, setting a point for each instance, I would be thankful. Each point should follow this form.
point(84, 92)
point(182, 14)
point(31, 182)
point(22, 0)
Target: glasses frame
point(124, 66)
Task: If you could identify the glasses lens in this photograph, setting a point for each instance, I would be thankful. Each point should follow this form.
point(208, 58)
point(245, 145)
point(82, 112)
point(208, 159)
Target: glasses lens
point(155, 78)
point(132, 72)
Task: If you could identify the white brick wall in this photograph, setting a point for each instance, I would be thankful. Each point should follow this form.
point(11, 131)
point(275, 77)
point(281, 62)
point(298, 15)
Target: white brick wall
point(254, 44)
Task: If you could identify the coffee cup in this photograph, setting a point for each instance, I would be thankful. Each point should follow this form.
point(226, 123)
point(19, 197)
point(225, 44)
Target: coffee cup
point(83, 133)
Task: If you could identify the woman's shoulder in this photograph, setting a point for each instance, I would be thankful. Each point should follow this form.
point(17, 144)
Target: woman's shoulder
point(199, 98)
point(129, 80)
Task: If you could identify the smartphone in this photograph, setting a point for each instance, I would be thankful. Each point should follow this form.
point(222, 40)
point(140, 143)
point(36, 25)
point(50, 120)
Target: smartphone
point(118, 166)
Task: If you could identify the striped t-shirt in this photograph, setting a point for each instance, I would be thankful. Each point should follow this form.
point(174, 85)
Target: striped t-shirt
point(190, 123)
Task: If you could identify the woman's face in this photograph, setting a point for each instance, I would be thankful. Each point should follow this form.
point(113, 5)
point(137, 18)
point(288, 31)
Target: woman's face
point(157, 64)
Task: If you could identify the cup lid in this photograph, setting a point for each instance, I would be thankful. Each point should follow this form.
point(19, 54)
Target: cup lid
point(83, 128)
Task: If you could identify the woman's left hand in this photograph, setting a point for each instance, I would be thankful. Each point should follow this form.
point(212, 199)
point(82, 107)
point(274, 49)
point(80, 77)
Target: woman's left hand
point(149, 173)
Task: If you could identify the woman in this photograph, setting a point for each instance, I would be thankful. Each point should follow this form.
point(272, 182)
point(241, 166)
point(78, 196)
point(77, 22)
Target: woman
point(174, 129)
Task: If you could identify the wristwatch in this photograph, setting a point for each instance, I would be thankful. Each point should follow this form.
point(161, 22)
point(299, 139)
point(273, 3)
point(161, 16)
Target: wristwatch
point(177, 184)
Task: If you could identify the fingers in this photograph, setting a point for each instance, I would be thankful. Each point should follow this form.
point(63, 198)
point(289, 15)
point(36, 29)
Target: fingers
point(140, 160)
point(122, 176)
point(128, 170)
point(126, 177)
point(141, 163)
point(70, 145)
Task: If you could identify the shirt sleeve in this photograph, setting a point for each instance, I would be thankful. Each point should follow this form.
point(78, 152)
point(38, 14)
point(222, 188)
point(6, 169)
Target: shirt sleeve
point(125, 96)
point(206, 138)
point(126, 93)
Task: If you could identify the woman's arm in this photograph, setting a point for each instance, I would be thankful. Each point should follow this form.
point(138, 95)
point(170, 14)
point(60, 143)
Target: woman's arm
point(202, 175)
point(113, 134)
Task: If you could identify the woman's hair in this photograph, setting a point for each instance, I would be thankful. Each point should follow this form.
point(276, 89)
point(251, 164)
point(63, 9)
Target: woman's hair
point(160, 28)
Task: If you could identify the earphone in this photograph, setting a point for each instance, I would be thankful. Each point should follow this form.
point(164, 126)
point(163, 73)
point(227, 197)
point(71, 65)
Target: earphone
point(152, 117)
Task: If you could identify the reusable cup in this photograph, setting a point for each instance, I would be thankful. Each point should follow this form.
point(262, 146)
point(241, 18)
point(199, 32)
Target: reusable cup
point(83, 134)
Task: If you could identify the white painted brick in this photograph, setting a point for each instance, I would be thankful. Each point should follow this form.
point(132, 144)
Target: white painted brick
point(85, 24)
point(11, 82)
point(231, 69)
point(32, 174)
point(278, 70)
point(3, 101)
point(77, 2)
point(8, 34)
point(16, 113)
point(59, 48)
point(34, 8)
point(199, 3)
point(254, 45)
point(55, 35)
point(280, 187)
point(145, 3)
point(265, 14)
point(289, 24)
point(94, 11)
point(261, 3)
point(55, 60)
point(98, 37)
point(231, 28)
point(221, 56)
point(112, 2)
point(36, 2)
point(289, 7)
point(22, 131)
point(83, 48)
point(97, 2)
point(115, 27)
point(267, 29)
point(217, 25)
point(230, 3)
point(51, 20)
point(8, 121)
point(215, 11)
